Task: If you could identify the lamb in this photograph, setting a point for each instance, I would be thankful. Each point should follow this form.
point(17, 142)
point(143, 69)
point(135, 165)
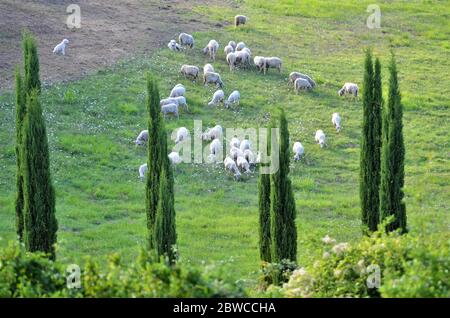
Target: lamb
point(174, 158)
point(211, 77)
point(234, 98)
point(260, 62)
point(215, 148)
point(231, 60)
point(239, 19)
point(235, 152)
point(243, 164)
point(218, 97)
point(178, 90)
point(240, 46)
point(320, 138)
point(179, 100)
point(170, 109)
point(301, 83)
point(182, 134)
point(245, 145)
point(235, 142)
point(173, 46)
point(211, 49)
point(294, 75)
point(190, 71)
point(272, 62)
point(61, 47)
point(213, 133)
point(228, 49)
point(298, 150)
point(143, 171)
point(349, 88)
point(232, 44)
point(208, 68)
point(249, 156)
point(336, 121)
point(142, 138)
point(231, 166)
point(186, 40)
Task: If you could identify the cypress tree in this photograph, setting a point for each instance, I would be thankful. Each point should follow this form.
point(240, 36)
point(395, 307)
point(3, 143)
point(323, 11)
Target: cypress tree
point(155, 158)
point(31, 64)
point(20, 114)
point(264, 213)
point(392, 158)
point(282, 212)
point(377, 108)
point(40, 223)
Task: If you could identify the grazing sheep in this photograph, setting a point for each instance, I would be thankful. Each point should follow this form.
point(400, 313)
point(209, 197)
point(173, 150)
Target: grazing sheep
point(231, 60)
point(336, 121)
point(170, 109)
point(179, 100)
point(298, 150)
point(272, 62)
point(249, 156)
point(260, 62)
point(245, 144)
point(239, 19)
point(235, 142)
point(173, 46)
point(235, 152)
point(243, 164)
point(215, 148)
point(178, 90)
point(320, 138)
point(231, 166)
point(213, 133)
point(190, 71)
point(240, 46)
point(143, 171)
point(300, 84)
point(211, 49)
point(182, 134)
point(232, 44)
point(142, 138)
point(349, 88)
point(246, 49)
point(234, 98)
point(61, 47)
point(218, 97)
point(213, 78)
point(186, 40)
point(174, 158)
point(242, 57)
point(294, 75)
point(208, 68)
point(228, 49)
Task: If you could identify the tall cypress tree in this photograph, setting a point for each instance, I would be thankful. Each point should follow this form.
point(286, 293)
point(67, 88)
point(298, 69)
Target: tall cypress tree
point(40, 225)
point(31, 63)
point(282, 212)
point(392, 157)
point(154, 157)
point(377, 108)
point(264, 213)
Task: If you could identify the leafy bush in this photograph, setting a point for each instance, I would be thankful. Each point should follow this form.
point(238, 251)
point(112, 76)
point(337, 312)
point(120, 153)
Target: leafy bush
point(70, 97)
point(32, 275)
point(408, 266)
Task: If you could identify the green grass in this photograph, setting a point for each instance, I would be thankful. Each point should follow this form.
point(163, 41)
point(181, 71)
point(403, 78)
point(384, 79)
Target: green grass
point(92, 124)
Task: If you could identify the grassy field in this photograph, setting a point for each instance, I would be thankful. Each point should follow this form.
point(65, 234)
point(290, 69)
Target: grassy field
point(92, 124)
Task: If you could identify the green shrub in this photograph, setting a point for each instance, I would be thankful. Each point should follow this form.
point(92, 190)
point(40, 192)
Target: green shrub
point(409, 266)
point(70, 97)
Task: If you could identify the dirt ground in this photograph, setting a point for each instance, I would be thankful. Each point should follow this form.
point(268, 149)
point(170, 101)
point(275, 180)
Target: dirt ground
point(110, 30)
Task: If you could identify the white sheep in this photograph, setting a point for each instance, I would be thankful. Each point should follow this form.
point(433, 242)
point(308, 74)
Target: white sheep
point(239, 19)
point(211, 49)
point(178, 90)
point(215, 148)
point(232, 44)
point(143, 171)
point(246, 49)
point(249, 156)
point(245, 144)
point(212, 78)
point(231, 60)
point(243, 164)
point(336, 121)
point(272, 62)
point(228, 49)
point(213, 133)
point(242, 57)
point(186, 40)
point(349, 88)
point(235, 152)
point(298, 150)
point(240, 46)
point(301, 84)
point(142, 138)
point(235, 142)
point(208, 68)
point(182, 134)
point(294, 75)
point(231, 166)
point(218, 97)
point(61, 47)
point(234, 98)
point(320, 138)
point(173, 46)
point(190, 71)
point(260, 62)
point(170, 109)
point(179, 100)
point(174, 158)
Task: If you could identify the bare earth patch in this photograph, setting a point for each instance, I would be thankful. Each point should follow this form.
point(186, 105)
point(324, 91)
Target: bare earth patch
point(110, 30)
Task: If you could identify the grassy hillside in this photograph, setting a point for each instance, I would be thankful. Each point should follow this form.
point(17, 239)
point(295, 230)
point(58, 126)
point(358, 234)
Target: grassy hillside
point(92, 124)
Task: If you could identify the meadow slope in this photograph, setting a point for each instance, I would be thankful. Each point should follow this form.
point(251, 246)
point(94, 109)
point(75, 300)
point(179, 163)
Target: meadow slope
point(92, 124)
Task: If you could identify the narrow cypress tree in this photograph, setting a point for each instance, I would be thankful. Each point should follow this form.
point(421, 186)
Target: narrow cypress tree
point(40, 223)
point(282, 212)
point(264, 213)
point(392, 160)
point(377, 108)
point(31, 64)
point(154, 157)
